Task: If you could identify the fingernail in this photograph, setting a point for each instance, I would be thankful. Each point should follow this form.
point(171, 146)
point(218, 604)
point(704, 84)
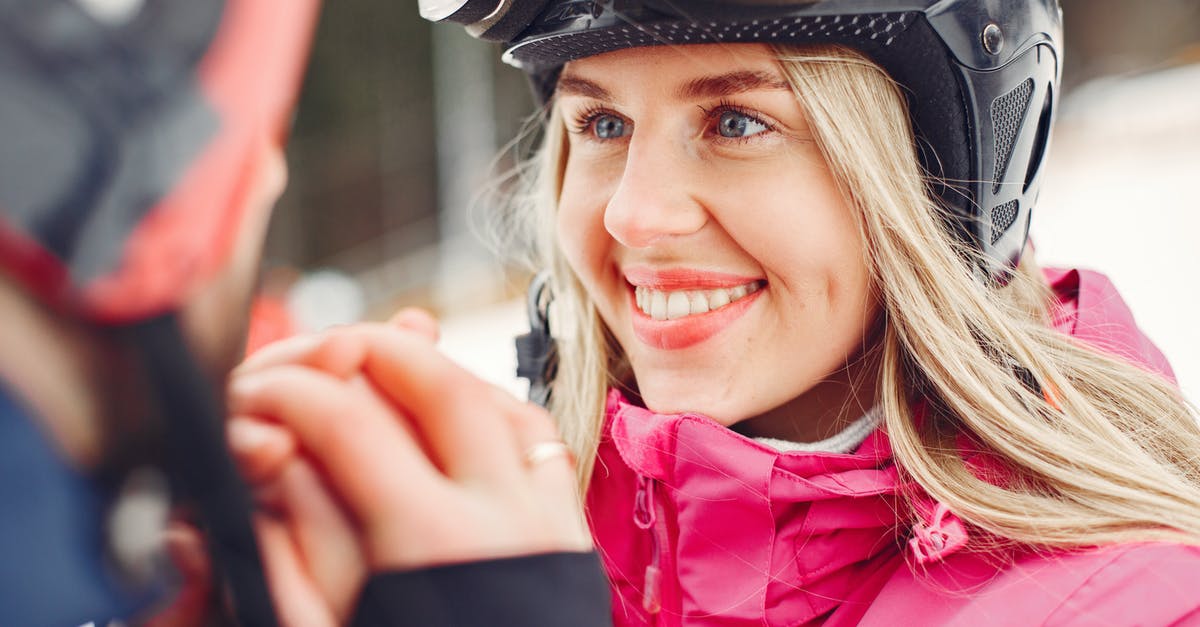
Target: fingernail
point(242, 385)
point(247, 434)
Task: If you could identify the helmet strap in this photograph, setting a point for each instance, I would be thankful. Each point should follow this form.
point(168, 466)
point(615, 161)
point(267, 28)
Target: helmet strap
point(199, 465)
point(537, 354)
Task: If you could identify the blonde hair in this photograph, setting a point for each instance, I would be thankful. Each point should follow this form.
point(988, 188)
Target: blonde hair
point(1093, 450)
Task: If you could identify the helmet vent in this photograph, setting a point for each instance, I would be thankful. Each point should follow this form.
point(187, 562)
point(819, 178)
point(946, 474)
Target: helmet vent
point(1003, 217)
point(1007, 113)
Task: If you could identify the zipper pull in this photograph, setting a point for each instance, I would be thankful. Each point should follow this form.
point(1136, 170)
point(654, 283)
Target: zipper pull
point(650, 600)
point(644, 516)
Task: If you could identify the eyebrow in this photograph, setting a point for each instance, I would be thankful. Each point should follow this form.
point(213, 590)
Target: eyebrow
point(730, 84)
point(714, 86)
point(575, 86)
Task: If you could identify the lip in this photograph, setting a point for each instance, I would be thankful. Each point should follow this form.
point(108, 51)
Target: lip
point(684, 278)
point(690, 330)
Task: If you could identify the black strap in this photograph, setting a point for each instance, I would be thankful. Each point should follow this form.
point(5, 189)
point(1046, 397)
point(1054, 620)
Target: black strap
point(200, 466)
point(537, 354)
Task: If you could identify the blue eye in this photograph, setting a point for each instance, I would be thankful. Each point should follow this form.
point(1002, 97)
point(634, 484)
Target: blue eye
point(734, 124)
point(608, 126)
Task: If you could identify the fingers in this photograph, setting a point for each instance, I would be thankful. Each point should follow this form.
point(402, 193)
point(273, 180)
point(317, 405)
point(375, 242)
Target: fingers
point(357, 439)
point(459, 417)
point(428, 460)
point(297, 599)
point(324, 350)
point(445, 402)
point(551, 471)
point(260, 448)
point(288, 350)
point(325, 537)
point(418, 321)
point(330, 352)
point(548, 461)
point(532, 425)
point(462, 419)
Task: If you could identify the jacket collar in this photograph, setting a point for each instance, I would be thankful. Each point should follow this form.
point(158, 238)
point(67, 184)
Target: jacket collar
point(662, 445)
point(788, 535)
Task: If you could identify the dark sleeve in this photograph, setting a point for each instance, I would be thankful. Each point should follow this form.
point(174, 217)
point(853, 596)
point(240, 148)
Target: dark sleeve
point(530, 591)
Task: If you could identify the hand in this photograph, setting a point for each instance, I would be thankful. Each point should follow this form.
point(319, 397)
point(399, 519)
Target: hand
point(424, 461)
point(193, 603)
point(311, 548)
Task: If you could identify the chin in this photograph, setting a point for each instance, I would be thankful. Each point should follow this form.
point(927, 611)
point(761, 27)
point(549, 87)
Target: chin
point(216, 323)
point(694, 399)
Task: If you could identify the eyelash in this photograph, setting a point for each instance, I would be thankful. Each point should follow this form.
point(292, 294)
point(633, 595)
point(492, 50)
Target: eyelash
point(582, 122)
point(714, 114)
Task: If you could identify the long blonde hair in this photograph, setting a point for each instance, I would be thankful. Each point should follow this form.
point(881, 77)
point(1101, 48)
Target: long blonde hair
point(1095, 450)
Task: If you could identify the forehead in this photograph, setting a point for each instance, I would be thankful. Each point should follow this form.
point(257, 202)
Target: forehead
point(673, 73)
point(667, 66)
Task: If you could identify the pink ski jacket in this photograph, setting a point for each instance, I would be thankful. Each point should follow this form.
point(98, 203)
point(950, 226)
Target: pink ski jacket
point(698, 525)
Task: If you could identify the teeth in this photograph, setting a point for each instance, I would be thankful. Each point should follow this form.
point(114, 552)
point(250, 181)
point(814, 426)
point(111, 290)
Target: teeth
point(658, 306)
point(663, 305)
point(678, 305)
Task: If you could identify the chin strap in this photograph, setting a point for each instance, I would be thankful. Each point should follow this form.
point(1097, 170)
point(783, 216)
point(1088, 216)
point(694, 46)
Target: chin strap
point(200, 468)
point(537, 355)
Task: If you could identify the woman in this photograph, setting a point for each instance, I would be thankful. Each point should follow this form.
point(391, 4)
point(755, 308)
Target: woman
point(743, 236)
point(809, 371)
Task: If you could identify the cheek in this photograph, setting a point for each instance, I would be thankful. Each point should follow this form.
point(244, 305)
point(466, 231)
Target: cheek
point(579, 226)
point(571, 232)
point(847, 266)
point(841, 275)
point(809, 243)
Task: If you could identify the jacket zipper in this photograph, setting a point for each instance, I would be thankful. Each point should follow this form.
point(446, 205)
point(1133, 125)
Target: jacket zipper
point(645, 516)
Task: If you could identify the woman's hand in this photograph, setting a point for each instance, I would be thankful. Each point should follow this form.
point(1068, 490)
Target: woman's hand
point(400, 460)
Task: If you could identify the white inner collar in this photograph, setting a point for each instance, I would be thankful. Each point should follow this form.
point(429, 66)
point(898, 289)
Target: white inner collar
point(845, 441)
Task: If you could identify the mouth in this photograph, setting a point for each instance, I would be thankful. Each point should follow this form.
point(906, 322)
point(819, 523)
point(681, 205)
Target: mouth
point(675, 304)
point(678, 309)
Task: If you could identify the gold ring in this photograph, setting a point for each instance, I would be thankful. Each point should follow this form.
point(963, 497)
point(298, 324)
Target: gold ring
point(545, 451)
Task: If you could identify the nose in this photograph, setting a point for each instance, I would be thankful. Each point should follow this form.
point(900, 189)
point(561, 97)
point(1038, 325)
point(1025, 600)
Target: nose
point(654, 199)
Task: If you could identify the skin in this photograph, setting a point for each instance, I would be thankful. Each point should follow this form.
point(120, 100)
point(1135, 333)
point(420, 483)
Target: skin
point(343, 432)
point(652, 181)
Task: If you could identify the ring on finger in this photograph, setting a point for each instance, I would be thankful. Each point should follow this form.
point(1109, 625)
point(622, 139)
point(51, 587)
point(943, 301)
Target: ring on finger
point(546, 451)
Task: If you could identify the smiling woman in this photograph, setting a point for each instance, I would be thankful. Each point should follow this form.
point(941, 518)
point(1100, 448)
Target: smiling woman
point(748, 241)
point(713, 195)
point(809, 371)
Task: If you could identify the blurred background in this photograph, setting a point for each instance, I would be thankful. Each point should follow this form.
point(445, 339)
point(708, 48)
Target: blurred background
point(402, 125)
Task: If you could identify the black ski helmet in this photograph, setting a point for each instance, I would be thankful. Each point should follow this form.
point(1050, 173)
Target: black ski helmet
point(981, 76)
